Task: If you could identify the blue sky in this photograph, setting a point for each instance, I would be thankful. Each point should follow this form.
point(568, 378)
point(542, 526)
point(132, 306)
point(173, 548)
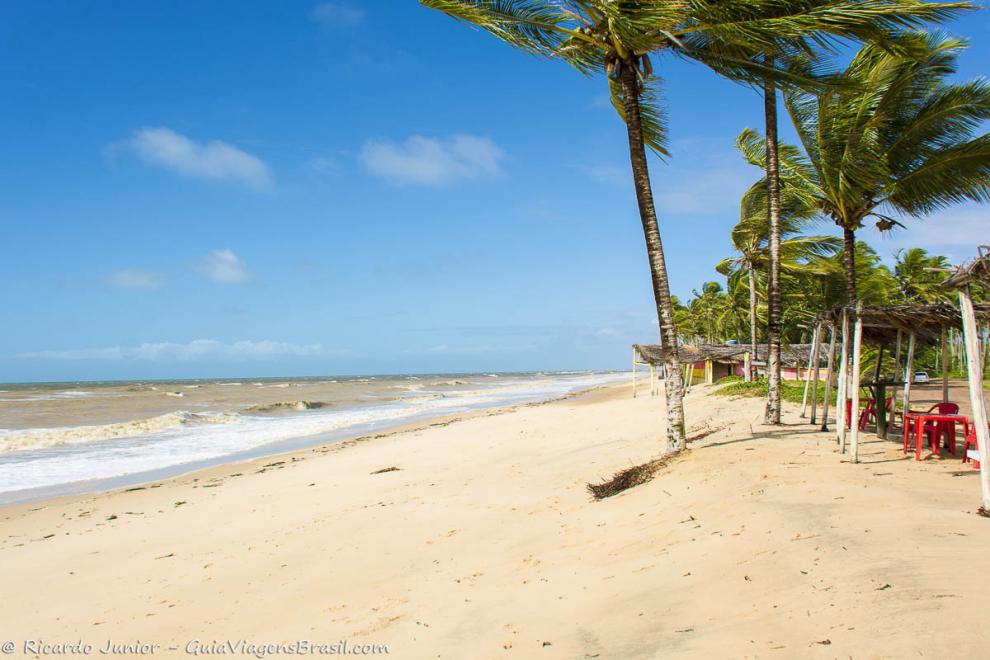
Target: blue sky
point(303, 188)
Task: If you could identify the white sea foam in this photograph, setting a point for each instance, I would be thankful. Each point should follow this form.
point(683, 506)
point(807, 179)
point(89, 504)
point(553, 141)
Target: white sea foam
point(54, 396)
point(14, 440)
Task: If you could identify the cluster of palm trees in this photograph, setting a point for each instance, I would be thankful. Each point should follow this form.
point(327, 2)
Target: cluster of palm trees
point(886, 135)
point(813, 278)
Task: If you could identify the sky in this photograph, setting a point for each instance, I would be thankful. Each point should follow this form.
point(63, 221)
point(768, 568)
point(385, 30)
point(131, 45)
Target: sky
point(227, 189)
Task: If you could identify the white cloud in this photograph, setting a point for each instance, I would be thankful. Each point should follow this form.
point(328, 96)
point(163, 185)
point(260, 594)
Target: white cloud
point(954, 232)
point(213, 160)
point(445, 349)
point(431, 161)
point(336, 14)
point(224, 266)
point(136, 279)
point(171, 351)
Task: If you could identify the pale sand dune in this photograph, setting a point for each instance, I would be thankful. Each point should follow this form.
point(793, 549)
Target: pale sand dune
point(485, 544)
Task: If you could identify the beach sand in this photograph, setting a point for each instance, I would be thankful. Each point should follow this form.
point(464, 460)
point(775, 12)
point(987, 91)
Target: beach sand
point(484, 543)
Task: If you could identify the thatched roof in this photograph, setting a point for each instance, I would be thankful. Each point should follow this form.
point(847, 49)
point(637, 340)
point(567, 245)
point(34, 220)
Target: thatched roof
point(791, 355)
point(977, 270)
point(880, 324)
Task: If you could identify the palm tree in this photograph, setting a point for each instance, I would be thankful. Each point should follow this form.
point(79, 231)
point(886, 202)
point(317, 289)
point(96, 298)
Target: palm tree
point(919, 276)
point(878, 26)
point(900, 139)
point(751, 236)
point(618, 37)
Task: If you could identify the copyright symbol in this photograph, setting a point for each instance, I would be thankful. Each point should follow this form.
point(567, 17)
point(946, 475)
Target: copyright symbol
point(8, 647)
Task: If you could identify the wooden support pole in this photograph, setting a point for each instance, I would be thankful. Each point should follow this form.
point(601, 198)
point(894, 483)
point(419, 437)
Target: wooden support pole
point(843, 387)
point(908, 379)
point(807, 376)
point(828, 377)
point(974, 372)
point(897, 357)
point(634, 373)
point(945, 367)
point(815, 361)
point(857, 362)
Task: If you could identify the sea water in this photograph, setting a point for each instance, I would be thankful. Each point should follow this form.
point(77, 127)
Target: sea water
point(64, 438)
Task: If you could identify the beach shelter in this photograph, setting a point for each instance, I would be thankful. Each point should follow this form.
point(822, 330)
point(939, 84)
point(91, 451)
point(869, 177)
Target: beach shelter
point(888, 326)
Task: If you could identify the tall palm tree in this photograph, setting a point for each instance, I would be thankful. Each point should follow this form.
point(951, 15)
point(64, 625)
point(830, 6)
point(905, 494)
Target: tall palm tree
point(618, 37)
point(899, 139)
point(751, 236)
point(877, 26)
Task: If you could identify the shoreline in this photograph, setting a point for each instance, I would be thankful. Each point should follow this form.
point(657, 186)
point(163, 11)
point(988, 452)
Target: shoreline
point(282, 448)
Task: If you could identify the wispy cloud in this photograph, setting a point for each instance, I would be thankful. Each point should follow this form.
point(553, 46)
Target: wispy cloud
point(710, 177)
point(337, 14)
point(954, 232)
point(193, 350)
point(212, 161)
point(224, 266)
point(611, 173)
point(136, 279)
point(323, 166)
point(433, 161)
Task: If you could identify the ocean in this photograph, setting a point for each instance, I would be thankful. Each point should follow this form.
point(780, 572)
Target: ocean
point(66, 438)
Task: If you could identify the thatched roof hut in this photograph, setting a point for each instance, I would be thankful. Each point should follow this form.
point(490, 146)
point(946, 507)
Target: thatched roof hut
point(881, 324)
point(793, 355)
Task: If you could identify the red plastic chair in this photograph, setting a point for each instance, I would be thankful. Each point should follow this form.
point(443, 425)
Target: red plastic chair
point(935, 430)
point(870, 411)
point(971, 443)
point(864, 414)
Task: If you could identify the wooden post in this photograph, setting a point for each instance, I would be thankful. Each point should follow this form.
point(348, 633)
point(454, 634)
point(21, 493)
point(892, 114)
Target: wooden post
point(828, 377)
point(897, 357)
point(807, 376)
point(908, 379)
point(945, 367)
point(634, 373)
point(843, 387)
point(974, 372)
point(856, 357)
point(747, 368)
point(815, 360)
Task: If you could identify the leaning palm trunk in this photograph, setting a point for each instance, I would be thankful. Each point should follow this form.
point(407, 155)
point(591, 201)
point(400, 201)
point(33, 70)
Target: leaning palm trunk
point(654, 250)
point(752, 322)
point(773, 280)
point(849, 263)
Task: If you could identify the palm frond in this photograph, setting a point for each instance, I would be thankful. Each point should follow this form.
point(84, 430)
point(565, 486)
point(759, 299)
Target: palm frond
point(651, 111)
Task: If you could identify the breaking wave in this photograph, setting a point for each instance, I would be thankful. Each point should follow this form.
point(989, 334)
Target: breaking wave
point(13, 440)
point(281, 406)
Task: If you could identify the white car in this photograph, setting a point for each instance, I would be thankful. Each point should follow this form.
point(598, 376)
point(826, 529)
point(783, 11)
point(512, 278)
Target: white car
point(921, 377)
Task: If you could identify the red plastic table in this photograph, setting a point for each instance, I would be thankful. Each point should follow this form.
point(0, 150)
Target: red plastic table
point(920, 419)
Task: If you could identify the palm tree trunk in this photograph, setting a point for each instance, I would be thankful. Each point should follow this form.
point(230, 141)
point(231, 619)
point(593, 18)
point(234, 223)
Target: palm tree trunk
point(849, 263)
point(654, 250)
point(773, 280)
point(752, 322)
